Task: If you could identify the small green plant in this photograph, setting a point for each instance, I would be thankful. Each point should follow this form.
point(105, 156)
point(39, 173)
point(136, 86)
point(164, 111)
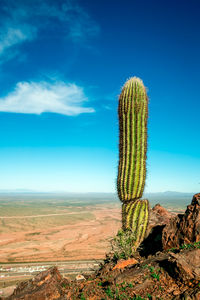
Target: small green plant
point(82, 297)
point(195, 245)
point(100, 284)
point(120, 292)
point(137, 298)
point(122, 244)
point(151, 269)
point(109, 293)
point(123, 288)
point(153, 273)
point(145, 266)
point(64, 285)
point(172, 250)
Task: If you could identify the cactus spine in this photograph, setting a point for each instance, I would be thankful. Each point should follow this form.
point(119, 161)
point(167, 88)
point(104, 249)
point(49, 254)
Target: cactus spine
point(133, 114)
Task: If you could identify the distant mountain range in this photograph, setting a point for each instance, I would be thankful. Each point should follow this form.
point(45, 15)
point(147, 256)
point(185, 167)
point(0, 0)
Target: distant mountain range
point(167, 199)
point(166, 193)
point(169, 194)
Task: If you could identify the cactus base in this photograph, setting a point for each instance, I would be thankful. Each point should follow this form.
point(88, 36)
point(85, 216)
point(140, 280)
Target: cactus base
point(135, 216)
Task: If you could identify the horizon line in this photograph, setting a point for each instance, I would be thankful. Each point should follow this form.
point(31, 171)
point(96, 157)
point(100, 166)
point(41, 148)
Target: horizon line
point(24, 191)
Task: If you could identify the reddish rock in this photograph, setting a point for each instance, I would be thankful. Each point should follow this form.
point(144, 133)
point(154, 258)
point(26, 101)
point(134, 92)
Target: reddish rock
point(46, 285)
point(193, 294)
point(159, 217)
point(124, 263)
point(162, 212)
point(184, 266)
point(184, 228)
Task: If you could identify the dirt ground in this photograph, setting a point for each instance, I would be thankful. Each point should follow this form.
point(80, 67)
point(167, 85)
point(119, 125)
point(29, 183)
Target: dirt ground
point(43, 238)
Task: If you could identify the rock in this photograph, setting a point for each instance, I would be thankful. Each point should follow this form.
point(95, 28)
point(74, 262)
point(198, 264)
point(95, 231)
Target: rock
point(176, 292)
point(184, 266)
point(133, 275)
point(105, 269)
point(46, 285)
point(184, 228)
point(167, 230)
point(159, 217)
point(193, 294)
point(80, 277)
point(124, 263)
point(162, 213)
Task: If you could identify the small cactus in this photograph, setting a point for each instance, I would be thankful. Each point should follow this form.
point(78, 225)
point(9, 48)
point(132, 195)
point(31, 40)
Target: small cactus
point(133, 114)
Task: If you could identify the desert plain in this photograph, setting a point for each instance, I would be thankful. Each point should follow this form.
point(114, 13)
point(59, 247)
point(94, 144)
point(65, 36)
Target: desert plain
point(53, 228)
point(36, 227)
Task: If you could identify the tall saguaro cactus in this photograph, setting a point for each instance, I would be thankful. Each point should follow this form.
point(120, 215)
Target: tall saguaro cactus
point(133, 114)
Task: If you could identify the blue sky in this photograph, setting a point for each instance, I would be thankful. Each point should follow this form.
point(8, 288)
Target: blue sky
point(62, 66)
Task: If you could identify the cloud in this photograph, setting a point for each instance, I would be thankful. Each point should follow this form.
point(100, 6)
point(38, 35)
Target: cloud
point(81, 26)
point(75, 22)
point(22, 21)
point(14, 30)
point(40, 97)
point(13, 36)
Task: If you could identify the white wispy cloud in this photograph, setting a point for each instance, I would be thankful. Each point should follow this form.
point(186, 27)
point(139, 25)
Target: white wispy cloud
point(21, 21)
point(13, 36)
point(14, 29)
point(76, 23)
point(39, 97)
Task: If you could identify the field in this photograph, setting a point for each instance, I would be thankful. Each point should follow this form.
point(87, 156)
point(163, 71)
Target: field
point(56, 227)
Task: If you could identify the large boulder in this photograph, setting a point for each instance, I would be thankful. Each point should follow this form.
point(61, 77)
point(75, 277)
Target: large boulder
point(184, 228)
point(184, 266)
point(159, 217)
point(46, 285)
point(167, 230)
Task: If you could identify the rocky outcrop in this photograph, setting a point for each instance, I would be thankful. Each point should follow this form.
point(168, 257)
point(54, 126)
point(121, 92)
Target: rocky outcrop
point(46, 285)
point(166, 275)
point(163, 215)
point(167, 230)
point(184, 228)
point(184, 266)
point(159, 217)
point(163, 276)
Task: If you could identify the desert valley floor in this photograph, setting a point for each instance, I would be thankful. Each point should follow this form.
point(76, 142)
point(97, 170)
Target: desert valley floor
point(42, 227)
point(41, 232)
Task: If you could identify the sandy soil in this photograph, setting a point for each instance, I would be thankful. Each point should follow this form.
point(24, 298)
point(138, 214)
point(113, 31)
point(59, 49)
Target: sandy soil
point(81, 239)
